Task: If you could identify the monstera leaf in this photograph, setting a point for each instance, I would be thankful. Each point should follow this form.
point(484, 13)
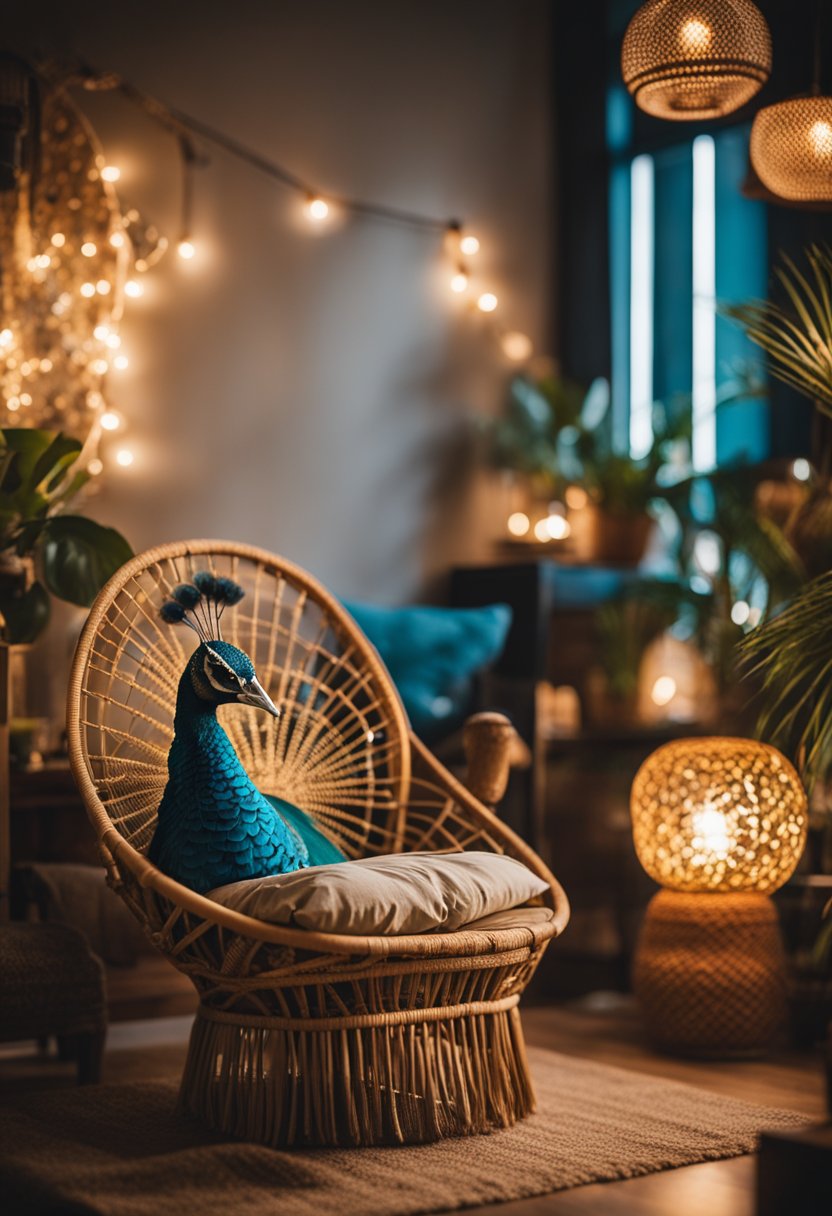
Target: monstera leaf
point(79, 556)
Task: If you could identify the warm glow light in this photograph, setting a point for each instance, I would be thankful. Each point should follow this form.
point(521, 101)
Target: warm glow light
point(99, 366)
point(459, 282)
point(95, 467)
point(110, 420)
point(6, 337)
point(113, 341)
point(820, 137)
point(469, 245)
point(516, 346)
point(801, 469)
point(186, 250)
point(124, 457)
point(553, 527)
point(103, 287)
point(101, 332)
point(518, 523)
point(576, 498)
point(121, 362)
point(663, 691)
point(89, 249)
point(740, 612)
point(487, 302)
point(317, 209)
point(58, 240)
point(695, 36)
point(111, 173)
point(709, 833)
point(717, 814)
point(87, 289)
point(133, 289)
point(117, 239)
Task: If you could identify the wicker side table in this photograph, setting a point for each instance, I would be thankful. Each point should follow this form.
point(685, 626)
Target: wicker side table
point(53, 984)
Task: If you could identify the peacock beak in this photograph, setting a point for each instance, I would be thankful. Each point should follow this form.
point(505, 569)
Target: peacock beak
point(256, 695)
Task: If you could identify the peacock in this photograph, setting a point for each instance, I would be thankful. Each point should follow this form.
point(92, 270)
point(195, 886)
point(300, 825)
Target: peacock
point(214, 826)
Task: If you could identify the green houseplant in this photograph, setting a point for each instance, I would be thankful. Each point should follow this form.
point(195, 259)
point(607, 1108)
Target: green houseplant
point(44, 550)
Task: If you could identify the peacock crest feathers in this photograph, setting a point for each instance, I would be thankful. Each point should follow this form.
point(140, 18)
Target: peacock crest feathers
point(201, 603)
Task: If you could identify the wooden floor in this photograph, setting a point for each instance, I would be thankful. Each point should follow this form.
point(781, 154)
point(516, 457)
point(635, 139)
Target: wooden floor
point(604, 1029)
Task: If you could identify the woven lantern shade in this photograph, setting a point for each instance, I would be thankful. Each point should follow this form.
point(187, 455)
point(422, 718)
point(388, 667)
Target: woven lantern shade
point(791, 148)
point(718, 815)
point(720, 823)
point(695, 59)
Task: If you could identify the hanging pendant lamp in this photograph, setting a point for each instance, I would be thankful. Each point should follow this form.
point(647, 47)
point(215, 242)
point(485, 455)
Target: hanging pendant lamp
point(689, 60)
point(791, 143)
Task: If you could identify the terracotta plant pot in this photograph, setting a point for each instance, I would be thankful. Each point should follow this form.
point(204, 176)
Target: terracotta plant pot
point(611, 539)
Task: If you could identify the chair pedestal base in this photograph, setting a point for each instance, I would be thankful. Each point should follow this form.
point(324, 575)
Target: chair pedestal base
point(709, 973)
point(388, 1078)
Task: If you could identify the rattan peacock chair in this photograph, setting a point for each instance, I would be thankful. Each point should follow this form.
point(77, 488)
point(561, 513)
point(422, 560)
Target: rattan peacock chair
point(305, 1037)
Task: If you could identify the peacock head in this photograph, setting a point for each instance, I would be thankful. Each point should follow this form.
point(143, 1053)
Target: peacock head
point(218, 672)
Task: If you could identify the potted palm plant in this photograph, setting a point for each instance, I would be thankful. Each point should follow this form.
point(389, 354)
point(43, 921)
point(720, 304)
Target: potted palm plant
point(790, 654)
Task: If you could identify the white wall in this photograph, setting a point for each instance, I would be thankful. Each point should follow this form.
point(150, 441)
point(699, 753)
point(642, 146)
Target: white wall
point(309, 392)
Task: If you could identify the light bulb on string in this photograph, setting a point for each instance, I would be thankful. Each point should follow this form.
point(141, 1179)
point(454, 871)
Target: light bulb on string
point(487, 302)
point(88, 249)
point(117, 239)
point(121, 363)
point(469, 245)
point(459, 282)
point(317, 209)
point(125, 457)
point(87, 290)
point(58, 240)
point(134, 289)
point(110, 420)
point(516, 346)
point(111, 173)
point(95, 467)
point(186, 249)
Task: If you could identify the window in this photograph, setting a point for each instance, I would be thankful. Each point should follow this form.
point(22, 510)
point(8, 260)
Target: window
point(682, 238)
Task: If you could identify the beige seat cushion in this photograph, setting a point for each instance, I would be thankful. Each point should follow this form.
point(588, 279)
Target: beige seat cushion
point(395, 894)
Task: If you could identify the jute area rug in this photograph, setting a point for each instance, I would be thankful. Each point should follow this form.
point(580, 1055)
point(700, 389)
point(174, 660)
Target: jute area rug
point(119, 1151)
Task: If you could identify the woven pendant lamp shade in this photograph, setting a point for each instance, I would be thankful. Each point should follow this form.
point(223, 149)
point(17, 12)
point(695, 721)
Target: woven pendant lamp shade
point(718, 815)
point(791, 148)
point(695, 59)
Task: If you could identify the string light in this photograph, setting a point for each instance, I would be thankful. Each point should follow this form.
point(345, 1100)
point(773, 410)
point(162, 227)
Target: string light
point(72, 213)
point(516, 346)
point(317, 209)
point(801, 469)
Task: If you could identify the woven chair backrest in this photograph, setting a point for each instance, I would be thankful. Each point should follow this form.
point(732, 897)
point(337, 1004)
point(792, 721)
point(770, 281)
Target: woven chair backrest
point(340, 747)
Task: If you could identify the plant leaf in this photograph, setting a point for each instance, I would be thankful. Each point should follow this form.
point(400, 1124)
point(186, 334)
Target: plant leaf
point(79, 556)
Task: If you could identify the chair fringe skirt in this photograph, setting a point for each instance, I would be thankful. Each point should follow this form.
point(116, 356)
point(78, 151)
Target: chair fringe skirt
point(408, 1076)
